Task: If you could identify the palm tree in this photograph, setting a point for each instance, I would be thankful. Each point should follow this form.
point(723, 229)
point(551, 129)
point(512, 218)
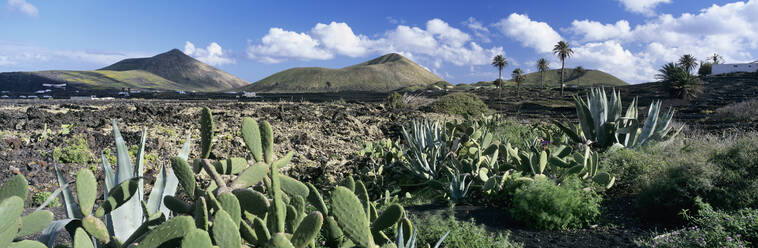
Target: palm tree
point(688, 62)
point(563, 51)
point(519, 77)
point(679, 81)
point(542, 66)
point(499, 62)
point(716, 59)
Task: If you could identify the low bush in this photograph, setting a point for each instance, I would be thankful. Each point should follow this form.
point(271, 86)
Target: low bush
point(545, 205)
point(713, 228)
point(459, 104)
point(736, 185)
point(633, 169)
point(40, 197)
point(721, 170)
point(742, 111)
point(75, 150)
point(462, 233)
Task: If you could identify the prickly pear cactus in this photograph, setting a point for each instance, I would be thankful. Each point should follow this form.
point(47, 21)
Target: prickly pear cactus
point(206, 132)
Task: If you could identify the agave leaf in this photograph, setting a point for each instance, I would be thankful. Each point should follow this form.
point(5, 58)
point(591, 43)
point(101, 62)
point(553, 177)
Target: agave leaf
point(68, 196)
point(140, 170)
point(129, 215)
point(50, 233)
point(52, 197)
point(161, 188)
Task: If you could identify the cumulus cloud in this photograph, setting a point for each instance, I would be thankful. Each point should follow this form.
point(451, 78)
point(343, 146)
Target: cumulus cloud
point(731, 30)
point(645, 7)
point(22, 57)
point(595, 31)
point(534, 34)
point(480, 31)
point(279, 45)
point(340, 38)
point(24, 7)
point(213, 54)
point(436, 43)
point(612, 57)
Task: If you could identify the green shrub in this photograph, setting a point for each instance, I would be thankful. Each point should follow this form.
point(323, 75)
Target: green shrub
point(675, 189)
point(395, 101)
point(713, 228)
point(721, 170)
point(632, 167)
point(736, 185)
point(443, 84)
point(74, 150)
point(545, 205)
point(40, 197)
point(459, 104)
point(462, 233)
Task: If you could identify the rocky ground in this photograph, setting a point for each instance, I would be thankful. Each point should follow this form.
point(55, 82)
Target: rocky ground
point(324, 136)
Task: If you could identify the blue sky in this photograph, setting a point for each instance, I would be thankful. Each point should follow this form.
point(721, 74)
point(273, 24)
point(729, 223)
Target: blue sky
point(454, 39)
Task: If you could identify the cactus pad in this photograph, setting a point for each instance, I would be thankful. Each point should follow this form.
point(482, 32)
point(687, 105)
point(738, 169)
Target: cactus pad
point(185, 175)
point(118, 196)
point(267, 142)
point(35, 222)
point(250, 176)
point(81, 239)
point(389, 217)
point(17, 186)
point(86, 190)
point(96, 228)
point(225, 232)
point(176, 205)
point(293, 187)
point(197, 238)
point(251, 133)
point(231, 205)
point(252, 201)
point(174, 228)
point(206, 132)
point(307, 230)
point(351, 216)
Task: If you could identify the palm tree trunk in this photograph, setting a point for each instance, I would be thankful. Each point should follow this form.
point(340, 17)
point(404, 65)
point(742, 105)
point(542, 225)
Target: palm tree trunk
point(500, 83)
point(563, 68)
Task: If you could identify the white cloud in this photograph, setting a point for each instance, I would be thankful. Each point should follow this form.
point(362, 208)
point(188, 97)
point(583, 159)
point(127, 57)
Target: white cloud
point(23, 6)
point(435, 44)
point(21, 57)
point(645, 7)
point(594, 31)
point(537, 35)
point(731, 30)
point(480, 31)
point(611, 57)
point(279, 45)
point(213, 54)
point(339, 37)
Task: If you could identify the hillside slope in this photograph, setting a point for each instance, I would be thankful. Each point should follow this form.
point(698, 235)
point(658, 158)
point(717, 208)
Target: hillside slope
point(176, 66)
point(385, 73)
point(572, 77)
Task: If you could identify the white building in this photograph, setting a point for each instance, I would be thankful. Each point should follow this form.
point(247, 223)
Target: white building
point(729, 68)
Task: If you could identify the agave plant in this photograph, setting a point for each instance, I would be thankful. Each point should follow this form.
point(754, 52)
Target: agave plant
point(410, 242)
point(602, 124)
point(426, 149)
point(122, 199)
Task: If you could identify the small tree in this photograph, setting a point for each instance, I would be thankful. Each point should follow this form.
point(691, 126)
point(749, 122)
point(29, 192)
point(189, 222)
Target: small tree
point(716, 59)
point(518, 77)
point(543, 67)
point(563, 51)
point(688, 62)
point(499, 62)
point(679, 81)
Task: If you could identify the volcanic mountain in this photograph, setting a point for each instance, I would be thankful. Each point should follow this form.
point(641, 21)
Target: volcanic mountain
point(386, 73)
point(176, 66)
point(172, 70)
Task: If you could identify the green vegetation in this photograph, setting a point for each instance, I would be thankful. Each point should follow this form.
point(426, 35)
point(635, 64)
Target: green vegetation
point(40, 197)
point(463, 234)
point(386, 73)
point(712, 228)
point(459, 104)
point(678, 79)
point(545, 205)
point(563, 52)
point(75, 150)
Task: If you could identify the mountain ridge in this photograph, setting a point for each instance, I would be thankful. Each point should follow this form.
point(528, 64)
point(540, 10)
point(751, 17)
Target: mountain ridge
point(382, 74)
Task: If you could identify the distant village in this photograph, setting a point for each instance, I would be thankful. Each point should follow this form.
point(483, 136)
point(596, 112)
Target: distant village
point(60, 91)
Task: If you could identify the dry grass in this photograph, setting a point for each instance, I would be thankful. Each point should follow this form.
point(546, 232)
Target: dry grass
point(743, 111)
